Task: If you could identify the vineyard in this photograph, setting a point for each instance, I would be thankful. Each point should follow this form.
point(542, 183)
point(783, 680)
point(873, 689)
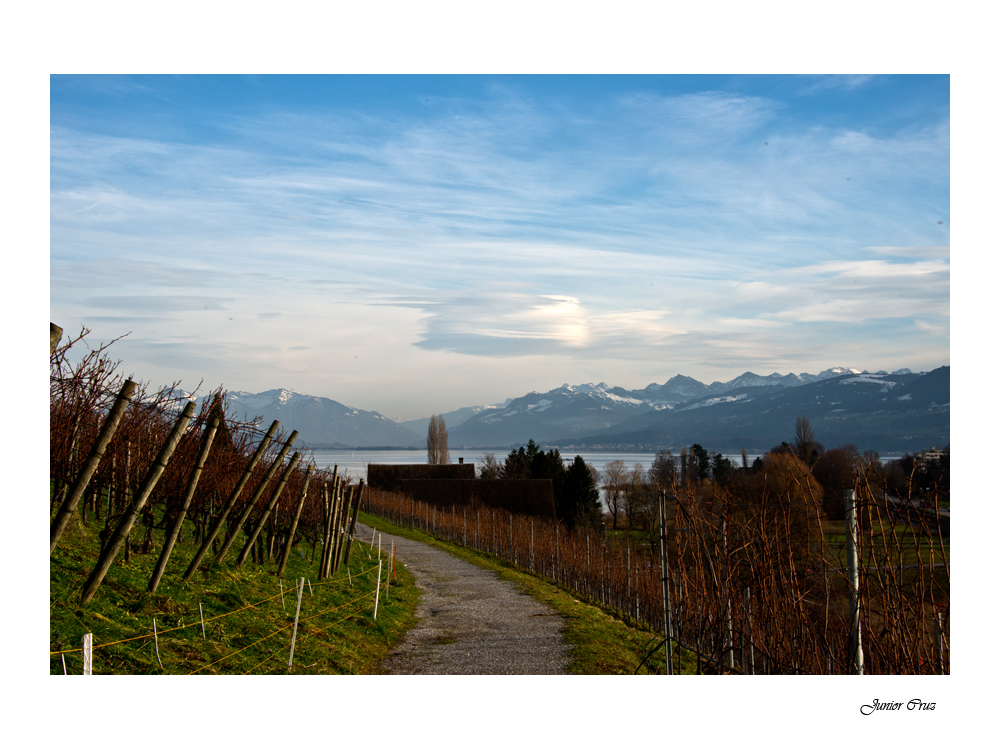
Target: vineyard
point(747, 579)
point(139, 475)
point(756, 582)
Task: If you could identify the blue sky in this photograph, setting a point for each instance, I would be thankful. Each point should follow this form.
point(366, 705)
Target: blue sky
point(414, 244)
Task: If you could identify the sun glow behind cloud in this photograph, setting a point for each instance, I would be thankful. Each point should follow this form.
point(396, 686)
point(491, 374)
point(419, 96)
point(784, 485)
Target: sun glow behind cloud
point(647, 230)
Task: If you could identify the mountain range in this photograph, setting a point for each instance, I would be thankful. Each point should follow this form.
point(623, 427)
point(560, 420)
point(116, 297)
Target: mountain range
point(887, 412)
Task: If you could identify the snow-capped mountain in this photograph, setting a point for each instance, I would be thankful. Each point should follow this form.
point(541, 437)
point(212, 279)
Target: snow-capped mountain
point(879, 411)
point(321, 422)
point(753, 411)
point(542, 416)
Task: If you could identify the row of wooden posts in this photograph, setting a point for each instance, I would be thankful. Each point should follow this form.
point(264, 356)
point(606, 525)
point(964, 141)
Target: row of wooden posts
point(737, 639)
point(335, 508)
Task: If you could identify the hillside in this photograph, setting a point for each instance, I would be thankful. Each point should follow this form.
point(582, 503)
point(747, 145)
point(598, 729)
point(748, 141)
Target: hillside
point(901, 411)
point(887, 413)
point(322, 422)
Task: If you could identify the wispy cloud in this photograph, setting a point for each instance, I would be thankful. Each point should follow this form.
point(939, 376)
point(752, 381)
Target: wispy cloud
point(940, 251)
point(155, 303)
point(820, 84)
point(714, 229)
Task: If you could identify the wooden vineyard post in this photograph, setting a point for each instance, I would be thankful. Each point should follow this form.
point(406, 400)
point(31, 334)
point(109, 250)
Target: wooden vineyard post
point(343, 511)
point(333, 534)
point(330, 500)
point(855, 652)
point(138, 502)
point(295, 522)
point(511, 555)
point(939, 641)
point(175, 529)
point(55, 333)
point(664, 569)
point(97, 452)
point(558, 568)
point(531, 553)
point(238, 523)
point(325, 497)
point(259, 526)
point(206, 544)
point(337, 524)
point(628, 580)
point(345, 498)
point(354, 520)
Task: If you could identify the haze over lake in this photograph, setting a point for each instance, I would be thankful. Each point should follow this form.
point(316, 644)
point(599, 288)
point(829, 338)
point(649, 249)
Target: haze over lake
point(355, 463)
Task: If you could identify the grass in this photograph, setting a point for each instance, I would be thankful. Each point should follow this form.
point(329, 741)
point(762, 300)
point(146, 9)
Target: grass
point(248, 626)
point(600, 643)
point(912, 548)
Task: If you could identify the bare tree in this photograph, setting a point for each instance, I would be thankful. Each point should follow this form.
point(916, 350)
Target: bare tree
point(615, 477)
point(806, 447)
point(489, 467)
point(639, 496)
point(437, 441)
point(663, 472)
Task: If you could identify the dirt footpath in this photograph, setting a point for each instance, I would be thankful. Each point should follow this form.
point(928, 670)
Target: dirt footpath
point(470, 621)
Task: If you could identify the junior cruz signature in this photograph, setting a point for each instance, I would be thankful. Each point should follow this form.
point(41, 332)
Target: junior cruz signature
point(914, 705)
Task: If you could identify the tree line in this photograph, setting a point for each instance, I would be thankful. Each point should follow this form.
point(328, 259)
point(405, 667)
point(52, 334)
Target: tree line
point(630, 493)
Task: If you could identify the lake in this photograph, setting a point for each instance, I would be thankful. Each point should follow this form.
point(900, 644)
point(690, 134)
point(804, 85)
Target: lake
point(354, 463)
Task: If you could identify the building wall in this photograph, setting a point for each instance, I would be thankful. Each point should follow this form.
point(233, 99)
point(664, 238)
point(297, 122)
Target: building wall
point(390, 477)
point(531, 497)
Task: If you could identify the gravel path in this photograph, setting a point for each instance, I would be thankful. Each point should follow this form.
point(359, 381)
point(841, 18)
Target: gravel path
point(470, 621)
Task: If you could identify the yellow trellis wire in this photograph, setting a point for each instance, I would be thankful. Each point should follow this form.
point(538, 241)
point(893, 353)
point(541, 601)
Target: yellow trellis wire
point(210, 619)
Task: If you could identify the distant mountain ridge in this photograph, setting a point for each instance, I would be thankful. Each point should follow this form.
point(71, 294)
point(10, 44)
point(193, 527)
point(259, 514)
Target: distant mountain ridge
point(321, 422)
point(752, 411)
point(885, 412)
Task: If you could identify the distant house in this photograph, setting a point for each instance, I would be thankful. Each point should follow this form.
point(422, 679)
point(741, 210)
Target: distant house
point(926, 457)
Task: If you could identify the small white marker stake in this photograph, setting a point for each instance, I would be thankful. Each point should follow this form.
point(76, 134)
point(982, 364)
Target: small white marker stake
point(156, 644)
point(64, 663)
point(377, 582)
point(310, 587)
point(295, 628)
point(282, 590)
point(88, 653)
point(202, 615)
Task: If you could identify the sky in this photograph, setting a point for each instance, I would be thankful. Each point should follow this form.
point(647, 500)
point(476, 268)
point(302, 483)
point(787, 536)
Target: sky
point(416, 244)
point(482, 217)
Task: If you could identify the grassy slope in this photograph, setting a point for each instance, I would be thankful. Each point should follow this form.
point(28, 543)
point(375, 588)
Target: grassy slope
point(336, 632)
